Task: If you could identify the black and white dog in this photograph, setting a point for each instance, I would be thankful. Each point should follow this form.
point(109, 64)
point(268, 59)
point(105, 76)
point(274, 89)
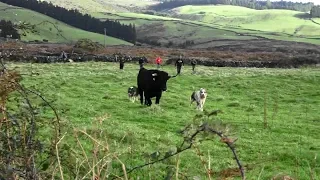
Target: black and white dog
point(133, 93)
point(199, 97)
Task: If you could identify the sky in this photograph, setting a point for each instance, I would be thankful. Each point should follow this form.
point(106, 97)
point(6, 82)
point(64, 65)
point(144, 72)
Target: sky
point(304, 1)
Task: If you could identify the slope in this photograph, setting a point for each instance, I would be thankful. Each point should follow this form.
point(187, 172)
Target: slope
point(89, 6)
point(206, 23)
point(278, 21)
point(203, 24)
point(49, 28)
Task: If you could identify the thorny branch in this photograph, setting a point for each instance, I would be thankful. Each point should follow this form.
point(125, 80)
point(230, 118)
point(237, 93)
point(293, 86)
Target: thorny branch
point(166, 157)
point(230, 144)
point(26, 137)
point(191, 140)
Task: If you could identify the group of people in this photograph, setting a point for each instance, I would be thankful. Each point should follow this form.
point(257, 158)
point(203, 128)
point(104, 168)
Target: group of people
point(179, 63)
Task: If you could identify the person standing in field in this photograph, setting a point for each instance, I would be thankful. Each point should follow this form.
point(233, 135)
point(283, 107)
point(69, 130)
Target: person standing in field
point(121, 62)
point(193, 64)
point(142, 60)
point(179, 63)
point(158, 62)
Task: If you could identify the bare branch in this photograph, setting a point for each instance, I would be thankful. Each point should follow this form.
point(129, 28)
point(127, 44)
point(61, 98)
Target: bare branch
point(57, 151)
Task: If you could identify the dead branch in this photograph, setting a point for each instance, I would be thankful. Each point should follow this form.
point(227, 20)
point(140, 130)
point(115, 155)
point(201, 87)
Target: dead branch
point(191, 140)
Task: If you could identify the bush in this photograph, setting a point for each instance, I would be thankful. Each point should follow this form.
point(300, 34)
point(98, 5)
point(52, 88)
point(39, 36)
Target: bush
point(88, 44)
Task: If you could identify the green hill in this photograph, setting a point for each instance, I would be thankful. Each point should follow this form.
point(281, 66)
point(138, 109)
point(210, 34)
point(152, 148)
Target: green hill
point(280, 21)
point(203, 24)
point(206, 23)
point(90, 6)
point(49, 28)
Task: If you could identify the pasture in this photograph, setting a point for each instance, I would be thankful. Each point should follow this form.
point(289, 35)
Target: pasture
point(287, 99)
point(50, 29)
point(291, 25)
point(206, 23)
point(289, 22)
point(102, 5)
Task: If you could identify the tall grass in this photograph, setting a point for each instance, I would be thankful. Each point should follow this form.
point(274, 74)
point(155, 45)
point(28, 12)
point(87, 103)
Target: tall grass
point(133, 132)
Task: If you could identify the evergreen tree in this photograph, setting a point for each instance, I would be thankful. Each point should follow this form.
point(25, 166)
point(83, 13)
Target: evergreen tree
point(7, 29)
point(315, 11)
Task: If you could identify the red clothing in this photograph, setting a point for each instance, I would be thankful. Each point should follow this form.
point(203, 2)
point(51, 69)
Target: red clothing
point(158, 60)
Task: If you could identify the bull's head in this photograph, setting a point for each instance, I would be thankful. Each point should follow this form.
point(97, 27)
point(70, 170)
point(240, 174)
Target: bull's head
point(162, 77)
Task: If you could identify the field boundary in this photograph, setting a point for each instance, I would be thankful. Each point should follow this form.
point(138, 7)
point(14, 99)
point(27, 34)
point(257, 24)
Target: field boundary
point(294, 62)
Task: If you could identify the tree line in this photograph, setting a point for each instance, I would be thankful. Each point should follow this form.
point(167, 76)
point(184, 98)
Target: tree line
point(315, 11)
point(76, 19)
point(254, 4)
point(7, 29)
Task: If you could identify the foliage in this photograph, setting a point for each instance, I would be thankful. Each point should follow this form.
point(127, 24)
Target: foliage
point(315, 11)
point(76, 19)
point(24, 150)
point(88, 44)
point(7, 28)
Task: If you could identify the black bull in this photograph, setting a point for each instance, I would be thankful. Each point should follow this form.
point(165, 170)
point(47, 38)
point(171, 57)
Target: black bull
point(151, 83)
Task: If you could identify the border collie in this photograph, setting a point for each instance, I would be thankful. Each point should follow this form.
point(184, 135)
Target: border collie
point(199, 97)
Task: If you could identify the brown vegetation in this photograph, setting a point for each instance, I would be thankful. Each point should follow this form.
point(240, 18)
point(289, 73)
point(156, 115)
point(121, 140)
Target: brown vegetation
point(260, 53)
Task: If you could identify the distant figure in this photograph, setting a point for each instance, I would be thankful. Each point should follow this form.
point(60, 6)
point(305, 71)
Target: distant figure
point(158, 62)
point(63, 56)
point(179, 63)
point(193, 64)
point(121, 62)
point(141, 61)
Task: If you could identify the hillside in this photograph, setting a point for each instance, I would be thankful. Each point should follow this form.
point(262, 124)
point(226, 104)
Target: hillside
point(280, 21)
point(49, 28)
point(90, 6)
point(202, 25)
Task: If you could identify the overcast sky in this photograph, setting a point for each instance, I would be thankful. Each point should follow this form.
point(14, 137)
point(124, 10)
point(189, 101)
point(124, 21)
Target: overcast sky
point(305, 1)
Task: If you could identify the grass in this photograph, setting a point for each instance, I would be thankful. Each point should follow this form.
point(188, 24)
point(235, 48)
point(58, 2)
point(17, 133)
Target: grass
point(48, 28)
point(316, 20)
point(205, 23)
point(102, 5)
point(167, 29)
point(145, 16)
point(291, 98)
point(134, 18)
point(290, 22)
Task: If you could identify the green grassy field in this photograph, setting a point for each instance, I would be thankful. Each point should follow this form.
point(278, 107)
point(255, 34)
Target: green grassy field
point(205, 23)
point(290, 98)
point(49, 28)
point(165, 29)
point(282, 21)
point(102, 5)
